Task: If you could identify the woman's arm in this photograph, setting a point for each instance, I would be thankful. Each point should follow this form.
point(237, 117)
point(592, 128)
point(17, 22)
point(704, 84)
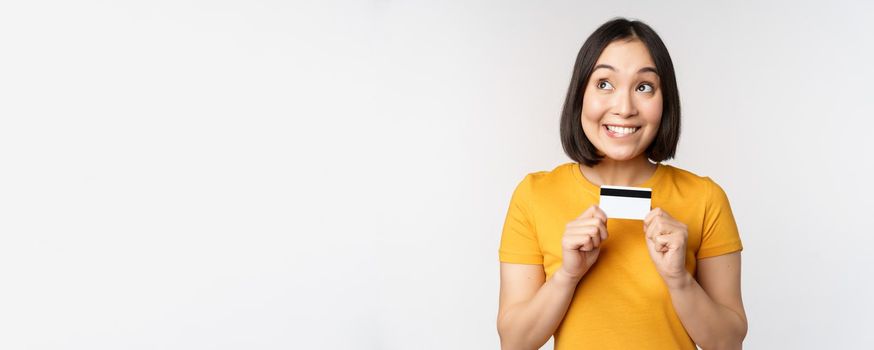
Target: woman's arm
point(531, 310)
point(711, 308)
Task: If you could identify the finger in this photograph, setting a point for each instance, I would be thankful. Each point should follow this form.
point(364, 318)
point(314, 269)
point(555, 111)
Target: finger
point(602, 228)
point(665, 215)
point(671, 241)
point(575, 242)
point(654, 244)
point(663, 243)
point(572, 243)
point(652, 215)
point(600, 214)
point(659, 228)
point(653, 229)
point(595, 235)
point(585, 222)
point(587, 243)
point(587, 213)
point(582, 225)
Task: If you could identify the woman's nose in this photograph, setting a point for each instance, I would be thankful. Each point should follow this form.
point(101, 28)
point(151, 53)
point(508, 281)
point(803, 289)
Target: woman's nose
point(623, 104)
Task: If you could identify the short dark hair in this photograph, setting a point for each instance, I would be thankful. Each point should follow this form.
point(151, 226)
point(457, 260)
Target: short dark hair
point(574, 141)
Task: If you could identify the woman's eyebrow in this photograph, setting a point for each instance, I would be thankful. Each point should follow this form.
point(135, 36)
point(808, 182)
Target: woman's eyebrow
point(606, 66)
point(642, 70)
point(648, 69)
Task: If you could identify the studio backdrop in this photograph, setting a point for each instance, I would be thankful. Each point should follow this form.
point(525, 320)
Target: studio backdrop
point(335, 174)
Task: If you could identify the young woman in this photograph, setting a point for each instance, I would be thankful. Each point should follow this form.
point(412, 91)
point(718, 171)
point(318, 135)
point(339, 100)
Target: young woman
point(670, 281)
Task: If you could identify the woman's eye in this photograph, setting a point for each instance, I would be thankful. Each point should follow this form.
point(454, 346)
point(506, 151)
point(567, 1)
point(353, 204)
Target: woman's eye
point(603, 84)
point(645, 88)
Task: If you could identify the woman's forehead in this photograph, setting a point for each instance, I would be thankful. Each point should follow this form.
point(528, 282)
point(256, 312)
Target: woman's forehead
point(626, 56)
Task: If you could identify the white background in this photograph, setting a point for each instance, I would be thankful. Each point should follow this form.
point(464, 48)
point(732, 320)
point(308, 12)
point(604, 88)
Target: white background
point(326, 175)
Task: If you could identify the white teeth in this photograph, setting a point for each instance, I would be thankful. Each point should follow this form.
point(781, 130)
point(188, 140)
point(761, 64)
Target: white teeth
point(621, 130)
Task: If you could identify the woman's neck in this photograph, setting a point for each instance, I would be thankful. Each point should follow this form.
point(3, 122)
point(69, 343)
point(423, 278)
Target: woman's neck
point(619, 173)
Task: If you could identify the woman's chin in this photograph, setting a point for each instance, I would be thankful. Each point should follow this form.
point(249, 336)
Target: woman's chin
point(620, 156)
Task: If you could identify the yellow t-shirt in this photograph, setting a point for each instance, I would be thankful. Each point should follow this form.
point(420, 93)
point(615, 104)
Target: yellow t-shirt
point(621, 302)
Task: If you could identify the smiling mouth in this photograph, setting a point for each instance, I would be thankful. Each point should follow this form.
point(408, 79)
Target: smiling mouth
point(621, 131)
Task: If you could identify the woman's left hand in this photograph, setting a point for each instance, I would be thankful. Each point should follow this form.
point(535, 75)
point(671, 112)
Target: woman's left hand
point(666, 241)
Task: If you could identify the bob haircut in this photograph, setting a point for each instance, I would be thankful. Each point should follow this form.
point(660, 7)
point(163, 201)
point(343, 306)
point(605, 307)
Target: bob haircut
point(575, 143)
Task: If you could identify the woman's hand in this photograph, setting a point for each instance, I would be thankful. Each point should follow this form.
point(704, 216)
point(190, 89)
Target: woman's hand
point(581, 242)
point(666, 241)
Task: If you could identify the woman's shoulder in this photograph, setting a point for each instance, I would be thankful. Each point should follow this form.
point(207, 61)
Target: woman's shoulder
point(686, 179)
point(560, 173)
point(544, 180)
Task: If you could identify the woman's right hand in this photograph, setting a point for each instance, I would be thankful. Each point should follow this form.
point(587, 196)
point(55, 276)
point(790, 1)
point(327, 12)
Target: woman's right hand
point(581, 242)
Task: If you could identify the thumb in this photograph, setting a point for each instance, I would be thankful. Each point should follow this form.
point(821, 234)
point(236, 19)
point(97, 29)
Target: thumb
point(589, 212)
point(649, 243)
point(592, 256)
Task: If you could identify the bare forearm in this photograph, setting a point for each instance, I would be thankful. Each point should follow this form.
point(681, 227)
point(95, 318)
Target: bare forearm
point(529, 325)
point(711, 325)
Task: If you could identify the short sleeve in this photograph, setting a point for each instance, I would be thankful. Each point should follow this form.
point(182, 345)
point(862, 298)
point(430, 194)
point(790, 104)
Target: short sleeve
point(519, 239)
point(720, 234)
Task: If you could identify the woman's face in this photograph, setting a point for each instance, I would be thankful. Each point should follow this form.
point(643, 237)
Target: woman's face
point(622, 105)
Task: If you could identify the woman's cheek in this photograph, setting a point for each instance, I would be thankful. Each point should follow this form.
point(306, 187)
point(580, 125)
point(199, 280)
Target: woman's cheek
point(595, 108)
point(589, 114)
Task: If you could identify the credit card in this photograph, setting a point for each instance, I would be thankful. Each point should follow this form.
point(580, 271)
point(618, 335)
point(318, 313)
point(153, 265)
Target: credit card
point(620, 202)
